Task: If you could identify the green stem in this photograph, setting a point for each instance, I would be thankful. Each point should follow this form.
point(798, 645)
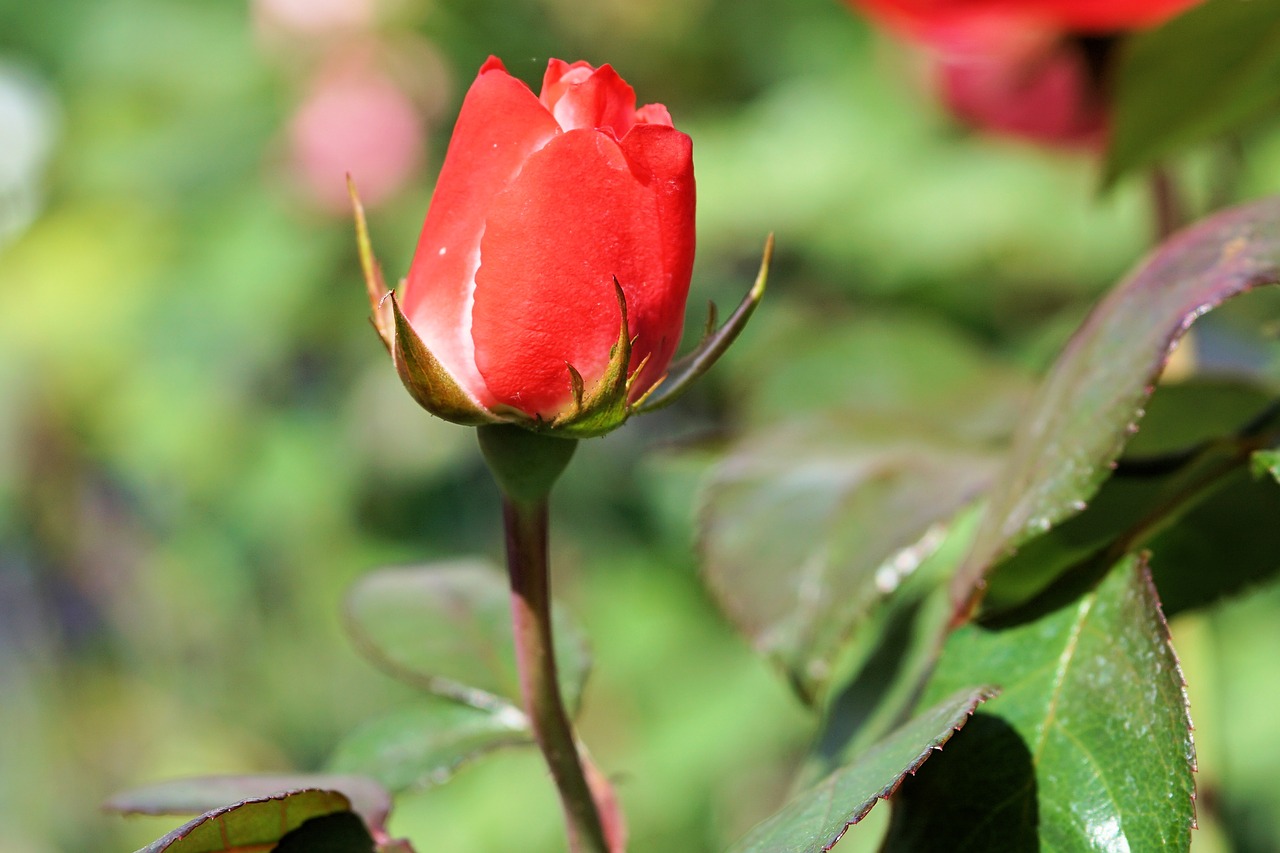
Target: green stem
point(527, 563)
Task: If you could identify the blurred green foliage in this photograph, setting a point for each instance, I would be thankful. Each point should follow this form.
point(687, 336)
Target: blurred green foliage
point(202, 444)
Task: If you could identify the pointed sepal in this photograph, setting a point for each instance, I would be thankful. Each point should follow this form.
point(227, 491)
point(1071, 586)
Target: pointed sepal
point(427, 380)
point(380, 310)
point(684, 372)
point(603, 407)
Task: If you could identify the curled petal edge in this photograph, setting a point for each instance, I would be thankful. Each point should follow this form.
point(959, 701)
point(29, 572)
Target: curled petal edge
point(684, 372)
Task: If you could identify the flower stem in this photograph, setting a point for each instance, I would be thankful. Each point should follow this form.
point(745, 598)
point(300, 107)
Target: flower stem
point(527, 563)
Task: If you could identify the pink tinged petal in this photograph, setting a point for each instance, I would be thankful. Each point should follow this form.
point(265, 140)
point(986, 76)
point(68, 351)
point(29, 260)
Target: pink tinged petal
point(501, 124)
point(584, 210)
point(654, 114)
point(582, 98)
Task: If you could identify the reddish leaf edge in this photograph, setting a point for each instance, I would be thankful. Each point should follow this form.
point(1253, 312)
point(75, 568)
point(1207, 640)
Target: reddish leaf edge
point(169, 839)
point(367, 797)
point(969, 583)
point(976, 699)
point(1143, 568)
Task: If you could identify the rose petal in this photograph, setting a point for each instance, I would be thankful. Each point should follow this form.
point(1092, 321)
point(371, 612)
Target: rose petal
point(500, 124)
point(584, 210)
point(596, 100)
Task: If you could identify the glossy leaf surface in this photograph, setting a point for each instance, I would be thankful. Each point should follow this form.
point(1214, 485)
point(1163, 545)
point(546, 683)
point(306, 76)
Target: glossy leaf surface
point(1093, 747)
point(1091, 402)
point(818, 818)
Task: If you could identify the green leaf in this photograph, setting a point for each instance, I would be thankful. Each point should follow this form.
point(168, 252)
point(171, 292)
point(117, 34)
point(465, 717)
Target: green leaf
point(819, 817)
point(805, 531)
point(426, 744)
point(446, 628)
point(341, 832)
point(255, 825)
point(1184, 493)
point(1206, 73)
point(1091, 402)
point(1266, 463)
point(1221, 547)
point(1103, 757)
point(894, 652)
point(207, 793)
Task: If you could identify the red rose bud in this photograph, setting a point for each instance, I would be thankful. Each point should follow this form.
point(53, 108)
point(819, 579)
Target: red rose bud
point(1025, 68)
point(548, 287)
point(940, 21)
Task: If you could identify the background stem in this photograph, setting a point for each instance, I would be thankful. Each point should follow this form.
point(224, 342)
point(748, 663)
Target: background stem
point(527, 566)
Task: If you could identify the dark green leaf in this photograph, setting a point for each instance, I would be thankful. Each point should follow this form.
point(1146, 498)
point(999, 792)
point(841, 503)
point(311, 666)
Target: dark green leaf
point(1209, 72)
point(341, 832)
point(207, 793)
point(1095, 696)
point(1220, 547)
point(252, 826)
point(1170, 495)
point(1084, 413)
point(446, 628)
point(426, 744)
point(805, 531)
point(816, 819)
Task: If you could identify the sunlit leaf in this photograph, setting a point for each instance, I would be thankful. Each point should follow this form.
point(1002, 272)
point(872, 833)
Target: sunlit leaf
point(446, 628)
point(815, 820)
point(1206, 73)
point(804, 531)
point(257, 825)
point(1266, 463)
point(426, 744)
point(1092, 400)
point(1090, 748)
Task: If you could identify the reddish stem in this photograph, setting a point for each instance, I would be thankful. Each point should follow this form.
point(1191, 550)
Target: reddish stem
point(527, 562)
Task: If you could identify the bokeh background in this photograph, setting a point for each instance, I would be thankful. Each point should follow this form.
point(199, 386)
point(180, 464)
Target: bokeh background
point(202, 444)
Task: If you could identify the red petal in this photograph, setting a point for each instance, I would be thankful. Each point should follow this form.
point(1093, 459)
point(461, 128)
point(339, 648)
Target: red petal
point(500, 125)
point(594, 100)
point(585, 209)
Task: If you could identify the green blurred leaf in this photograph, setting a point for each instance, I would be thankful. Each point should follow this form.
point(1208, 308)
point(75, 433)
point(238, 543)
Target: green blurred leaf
point(1266, 463)
point(1096, 698)
point(804, 531)
point(426, 744)
point(256, 825)
point(1091, 402)
point(446, 628)
point(207, 793)
point(816, 819)
point(1208, 72)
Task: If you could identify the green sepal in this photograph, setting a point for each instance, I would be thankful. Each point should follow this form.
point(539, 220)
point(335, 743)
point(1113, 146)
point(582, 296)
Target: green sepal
point(604, 407)
point(427, 380)
point(380, 311)
point(715, 342)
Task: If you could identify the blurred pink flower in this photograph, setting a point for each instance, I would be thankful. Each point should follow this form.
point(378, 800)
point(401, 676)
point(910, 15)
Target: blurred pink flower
point(359, 122)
